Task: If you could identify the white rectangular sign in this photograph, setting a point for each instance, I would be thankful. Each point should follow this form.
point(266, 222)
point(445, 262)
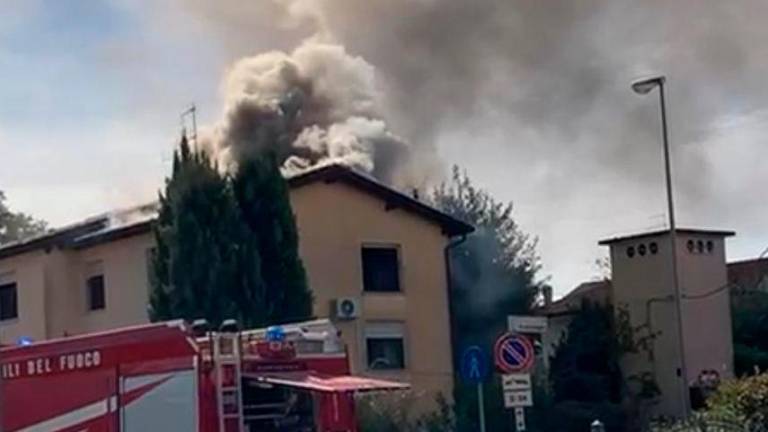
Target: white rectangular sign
point(527, 324)
point(520, 419)
point(512, 382)
point(518, 398)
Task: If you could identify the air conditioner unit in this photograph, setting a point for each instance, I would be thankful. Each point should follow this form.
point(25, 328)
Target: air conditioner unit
point(347, 308)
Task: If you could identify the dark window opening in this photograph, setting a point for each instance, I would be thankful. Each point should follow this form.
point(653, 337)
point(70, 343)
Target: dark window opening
point(381, 271)
point(654, 247)
point(9, 302)
point(385, 353)
point(96, 295)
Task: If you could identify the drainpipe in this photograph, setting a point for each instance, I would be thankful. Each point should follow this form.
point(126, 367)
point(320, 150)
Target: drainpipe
point(454, 243)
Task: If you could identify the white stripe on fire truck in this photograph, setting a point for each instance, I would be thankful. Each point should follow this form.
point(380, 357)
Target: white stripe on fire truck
point(76, 417)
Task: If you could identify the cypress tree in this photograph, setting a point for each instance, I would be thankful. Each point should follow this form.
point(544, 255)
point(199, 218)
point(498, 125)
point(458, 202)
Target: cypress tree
point(206, 262)
point(262, 194)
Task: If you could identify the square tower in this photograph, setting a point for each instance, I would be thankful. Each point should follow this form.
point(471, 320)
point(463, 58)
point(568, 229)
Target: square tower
point(643, 286)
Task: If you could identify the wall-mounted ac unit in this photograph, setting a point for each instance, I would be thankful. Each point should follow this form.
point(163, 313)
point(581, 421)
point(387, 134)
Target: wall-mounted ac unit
point(347, 308)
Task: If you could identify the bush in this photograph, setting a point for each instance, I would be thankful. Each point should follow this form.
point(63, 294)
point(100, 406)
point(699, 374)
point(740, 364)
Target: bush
point(394, 413)
point(743, 401)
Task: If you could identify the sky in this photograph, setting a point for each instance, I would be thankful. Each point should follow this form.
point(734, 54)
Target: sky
point(531, 98)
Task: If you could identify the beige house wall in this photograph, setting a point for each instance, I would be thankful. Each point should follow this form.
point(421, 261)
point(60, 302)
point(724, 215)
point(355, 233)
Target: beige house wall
point(331, 241)
point(28, 271)
point(334, 221)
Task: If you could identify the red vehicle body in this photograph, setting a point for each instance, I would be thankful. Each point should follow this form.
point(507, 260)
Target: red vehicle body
point(162, 377)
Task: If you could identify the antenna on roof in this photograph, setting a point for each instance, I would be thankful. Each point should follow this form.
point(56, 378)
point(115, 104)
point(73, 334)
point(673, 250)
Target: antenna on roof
point(190, 113)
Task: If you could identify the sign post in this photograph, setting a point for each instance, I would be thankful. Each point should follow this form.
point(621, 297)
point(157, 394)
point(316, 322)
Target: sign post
point(474, 369)
point(514, 357)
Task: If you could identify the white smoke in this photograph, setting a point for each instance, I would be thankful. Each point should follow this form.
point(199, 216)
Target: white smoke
point(315, 105)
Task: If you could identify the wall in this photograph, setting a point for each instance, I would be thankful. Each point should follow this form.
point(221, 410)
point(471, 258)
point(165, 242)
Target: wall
point(644, 285)
point(28, 271)
point(331, 241)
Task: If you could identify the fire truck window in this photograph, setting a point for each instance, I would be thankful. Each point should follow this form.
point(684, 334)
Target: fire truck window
point(385, 346)
point(96, 295)
point(9, 302)
point(381, 272)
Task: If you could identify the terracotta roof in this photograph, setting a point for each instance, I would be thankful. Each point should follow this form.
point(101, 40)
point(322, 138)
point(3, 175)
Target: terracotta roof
point(690, 231)
point(138, 220)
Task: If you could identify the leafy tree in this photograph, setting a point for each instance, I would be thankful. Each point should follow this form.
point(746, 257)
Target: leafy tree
point(206, 263)
point(493, 274)
point(17, 226)
point(749, 313)
point(585, 375)
point(262, 195)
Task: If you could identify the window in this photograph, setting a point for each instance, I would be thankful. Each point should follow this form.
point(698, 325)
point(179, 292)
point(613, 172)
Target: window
point(385, 346)
point(381, 270)
point(95, 287)
point(9, 301)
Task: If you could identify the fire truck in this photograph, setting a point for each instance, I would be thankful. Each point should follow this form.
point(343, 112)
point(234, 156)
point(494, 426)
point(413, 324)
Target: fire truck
point(173, 377)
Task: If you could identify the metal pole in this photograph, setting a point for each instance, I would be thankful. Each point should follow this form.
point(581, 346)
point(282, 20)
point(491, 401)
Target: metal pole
point(481, 406)
point(684, 393)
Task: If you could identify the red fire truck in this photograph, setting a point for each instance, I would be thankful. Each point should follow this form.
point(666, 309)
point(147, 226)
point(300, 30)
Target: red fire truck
point(170, 377)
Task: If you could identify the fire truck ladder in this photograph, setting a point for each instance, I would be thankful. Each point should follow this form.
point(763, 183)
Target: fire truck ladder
point(229, 396)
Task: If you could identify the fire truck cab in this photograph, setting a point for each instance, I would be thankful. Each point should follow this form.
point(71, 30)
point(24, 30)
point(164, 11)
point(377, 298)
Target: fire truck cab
point(171, 377)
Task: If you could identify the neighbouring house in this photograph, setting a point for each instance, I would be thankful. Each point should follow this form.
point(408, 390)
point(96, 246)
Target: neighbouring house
point(749, 275)
point(374, 259)
point(642, 284)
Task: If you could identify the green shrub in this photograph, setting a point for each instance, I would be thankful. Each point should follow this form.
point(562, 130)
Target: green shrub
point(742, 400)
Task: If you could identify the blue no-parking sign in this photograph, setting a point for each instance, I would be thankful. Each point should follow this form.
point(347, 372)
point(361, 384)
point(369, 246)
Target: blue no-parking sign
point(474, 366)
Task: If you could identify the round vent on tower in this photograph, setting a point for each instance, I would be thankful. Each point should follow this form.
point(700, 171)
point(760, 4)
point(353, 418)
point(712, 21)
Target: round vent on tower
point(654, 248)
point(631, 251)
point(641, 249)
point(690, 245)
point(710, 246)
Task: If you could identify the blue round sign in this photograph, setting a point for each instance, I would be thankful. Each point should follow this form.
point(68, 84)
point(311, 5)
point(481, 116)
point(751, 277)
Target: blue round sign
point(474, 366)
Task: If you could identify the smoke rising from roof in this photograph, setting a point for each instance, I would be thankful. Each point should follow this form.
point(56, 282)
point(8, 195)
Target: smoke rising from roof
point(539, 90)
point(314, 105)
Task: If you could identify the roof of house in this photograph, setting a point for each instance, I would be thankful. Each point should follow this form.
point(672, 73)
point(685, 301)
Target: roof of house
point(748, 274)
point(138, 220)
point(684, 231)
point(594, 291)
point(393, 198)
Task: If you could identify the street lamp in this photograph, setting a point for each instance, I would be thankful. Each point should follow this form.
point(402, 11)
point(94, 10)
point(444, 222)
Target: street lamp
point(644, 87)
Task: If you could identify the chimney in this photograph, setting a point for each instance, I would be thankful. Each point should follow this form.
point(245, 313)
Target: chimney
point(546, 292)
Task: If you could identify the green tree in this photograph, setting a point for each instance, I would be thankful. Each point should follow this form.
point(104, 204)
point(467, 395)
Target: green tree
point(749, 313)
point(206, 263)
point(17, 226)
point(585, 375)
point(263, 197)
point(494, 273)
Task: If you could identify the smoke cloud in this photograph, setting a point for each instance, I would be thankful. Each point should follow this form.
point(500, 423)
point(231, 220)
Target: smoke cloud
point(314, 105)
point(532, 96)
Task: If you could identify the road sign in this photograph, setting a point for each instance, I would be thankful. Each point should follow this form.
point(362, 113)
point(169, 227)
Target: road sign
point(474, 368)
point(512, 382)
point(519, 419)
point(474, 365)
point(527, 324)
point(518, 398)
point(513, 353)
